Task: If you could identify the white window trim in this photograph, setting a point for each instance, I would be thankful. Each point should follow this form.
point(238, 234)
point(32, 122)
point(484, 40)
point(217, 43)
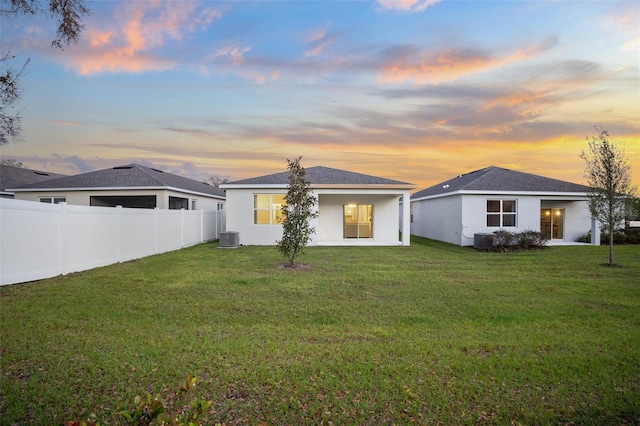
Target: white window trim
point(52, 199)
point(501, 212)
point(271, 210)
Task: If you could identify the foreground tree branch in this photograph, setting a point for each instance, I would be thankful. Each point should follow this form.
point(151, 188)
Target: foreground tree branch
point(69, 15)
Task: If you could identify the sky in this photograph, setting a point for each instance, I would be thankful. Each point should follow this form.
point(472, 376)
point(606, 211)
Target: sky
point(414, 90)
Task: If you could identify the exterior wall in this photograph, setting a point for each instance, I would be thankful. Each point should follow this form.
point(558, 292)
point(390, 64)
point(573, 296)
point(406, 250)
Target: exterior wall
point(474, 216)
point(83, 198)
point(438, 219)
point(328, 225)
point(385, 220)
point(456, 218)
point(577, 217)
point(240, 217)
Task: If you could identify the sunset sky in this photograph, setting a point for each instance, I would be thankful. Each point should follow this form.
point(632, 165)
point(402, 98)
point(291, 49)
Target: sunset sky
point(413, 90)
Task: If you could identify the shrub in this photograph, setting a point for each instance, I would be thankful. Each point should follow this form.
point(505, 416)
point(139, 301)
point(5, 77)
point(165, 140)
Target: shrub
point(622, 236)
point(503, 241)
point(586, 238)
point(525, 240)
point(531, 240)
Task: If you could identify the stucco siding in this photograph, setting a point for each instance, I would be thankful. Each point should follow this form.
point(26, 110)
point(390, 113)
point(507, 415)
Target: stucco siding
point(577, 216)
point(240, 218)
point(384, 223)
point(438, 219)
point(474, 219)
point(456, 218)
point(329, 226)
point(83, 198)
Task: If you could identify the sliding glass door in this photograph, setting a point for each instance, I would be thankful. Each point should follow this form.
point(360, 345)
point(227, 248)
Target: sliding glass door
point(552, 224)
point(358, 220)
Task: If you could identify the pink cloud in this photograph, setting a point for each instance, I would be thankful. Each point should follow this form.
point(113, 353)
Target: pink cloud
point(319, 41)
point(406, 5)
point(231, 59)
point(129, 42)
point(449, 65)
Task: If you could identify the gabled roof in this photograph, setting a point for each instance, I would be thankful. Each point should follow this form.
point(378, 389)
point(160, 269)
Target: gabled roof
point(131, 176)
point(319, 176)
point(11, 176)
point(496, 179)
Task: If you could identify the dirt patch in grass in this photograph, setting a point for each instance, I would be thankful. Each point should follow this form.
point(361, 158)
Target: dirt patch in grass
point(295, 267)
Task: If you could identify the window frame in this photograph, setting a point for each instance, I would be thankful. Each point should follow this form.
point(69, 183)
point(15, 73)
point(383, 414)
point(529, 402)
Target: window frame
point(507, 208)
point(352, 229)
point(52, 199)
point(274, 209)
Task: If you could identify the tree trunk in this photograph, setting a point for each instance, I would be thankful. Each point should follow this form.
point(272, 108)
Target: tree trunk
point(610, 247)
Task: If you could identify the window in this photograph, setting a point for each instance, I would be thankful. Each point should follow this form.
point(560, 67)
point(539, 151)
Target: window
point(220, 206)
point(194, 204)
point(267, 209)
point(501, 213)
point(178, 203)
point(53, 200)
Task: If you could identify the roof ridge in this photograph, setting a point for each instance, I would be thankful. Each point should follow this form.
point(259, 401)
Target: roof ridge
point(486, 171)
point(147, 171)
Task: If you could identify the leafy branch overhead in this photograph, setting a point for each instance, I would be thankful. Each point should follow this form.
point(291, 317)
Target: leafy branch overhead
point(68, 15)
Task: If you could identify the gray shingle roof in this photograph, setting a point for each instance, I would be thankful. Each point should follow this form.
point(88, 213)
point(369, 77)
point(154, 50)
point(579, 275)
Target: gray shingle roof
point(499, 179)
point(129, 176)
point(320, 175)
point(11, 177)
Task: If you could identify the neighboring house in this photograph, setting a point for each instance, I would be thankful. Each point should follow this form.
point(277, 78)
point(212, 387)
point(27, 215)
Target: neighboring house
point(494, 198)
point(11, 177)
point(132, 186)
point(353, 209)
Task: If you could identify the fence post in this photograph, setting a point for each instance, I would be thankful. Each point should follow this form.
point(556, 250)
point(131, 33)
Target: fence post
point(215, 224)
point(64, 238)
point(156, 218)
point(118, 234)
point(182, 228)
point(201, 225)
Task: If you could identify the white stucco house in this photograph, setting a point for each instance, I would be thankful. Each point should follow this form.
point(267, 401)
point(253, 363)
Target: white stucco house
point(493, 198)
point(353, 208)
point(131, 185)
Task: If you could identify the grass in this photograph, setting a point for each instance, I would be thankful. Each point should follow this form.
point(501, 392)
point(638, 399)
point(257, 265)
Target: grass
point(430, 333)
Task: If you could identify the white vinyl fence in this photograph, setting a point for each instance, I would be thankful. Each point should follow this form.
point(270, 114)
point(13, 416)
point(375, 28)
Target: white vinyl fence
point(39, 240)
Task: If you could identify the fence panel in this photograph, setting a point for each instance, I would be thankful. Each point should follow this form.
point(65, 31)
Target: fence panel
point(91, 235)
point(39, 240)
point(137, 233)
point(30, 241)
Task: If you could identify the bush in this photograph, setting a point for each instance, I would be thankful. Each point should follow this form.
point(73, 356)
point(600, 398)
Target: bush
point(512, 241)
point(586, 238)
point(504, 240)
point(622, 236)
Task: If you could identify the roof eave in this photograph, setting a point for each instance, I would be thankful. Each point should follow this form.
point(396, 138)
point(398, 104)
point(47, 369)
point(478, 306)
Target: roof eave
point(364, 186)
point(118, 188)
point(509, 193)
point(321, 186)
point(253, 186)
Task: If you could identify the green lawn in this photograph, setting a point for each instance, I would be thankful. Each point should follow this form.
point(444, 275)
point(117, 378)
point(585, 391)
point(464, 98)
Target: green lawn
point(430, 333)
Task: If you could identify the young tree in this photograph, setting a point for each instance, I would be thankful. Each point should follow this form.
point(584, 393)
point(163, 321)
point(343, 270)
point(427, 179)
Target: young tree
point(298, 211)
point(68, 14)
point(608, 173)
point(11, 162)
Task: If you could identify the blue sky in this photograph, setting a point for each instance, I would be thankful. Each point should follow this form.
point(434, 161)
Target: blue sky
point(412, 90)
